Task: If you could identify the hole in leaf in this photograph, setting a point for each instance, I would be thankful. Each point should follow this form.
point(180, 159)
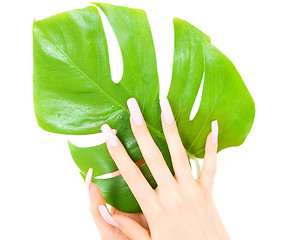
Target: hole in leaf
point(164, 47)
point(87, 140)
point(196, 167)
point(115, 55)
point(197, 102)
point(108, 175)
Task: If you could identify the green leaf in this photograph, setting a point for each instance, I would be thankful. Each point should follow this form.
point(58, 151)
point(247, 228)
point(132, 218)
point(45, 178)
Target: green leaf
point(224, 97)
point(117, 193)
point(98, 158)
point(74, 92)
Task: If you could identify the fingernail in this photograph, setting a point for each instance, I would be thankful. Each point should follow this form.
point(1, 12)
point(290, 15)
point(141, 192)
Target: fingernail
point(167, 111)
point(109, 135)
point(106, 216)
point(214, 127)
point(135, 111)
point(88, 179)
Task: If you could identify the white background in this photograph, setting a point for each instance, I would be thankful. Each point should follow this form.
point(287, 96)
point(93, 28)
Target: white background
point(42, 194)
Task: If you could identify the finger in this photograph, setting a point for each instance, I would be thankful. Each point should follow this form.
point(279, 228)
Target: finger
point(208, 172)
point(138, 163)
point(107, 216)
point(97, 202)
point(131, 228)
point(137, 217)
point(96, 199)
point(128, 169)
point(177, 151)
point(151, 153)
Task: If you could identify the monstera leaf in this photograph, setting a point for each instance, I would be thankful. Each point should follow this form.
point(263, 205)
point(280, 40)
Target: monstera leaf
point(74, 92)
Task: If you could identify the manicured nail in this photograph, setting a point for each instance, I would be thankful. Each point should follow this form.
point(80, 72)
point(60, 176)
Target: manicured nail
point(214, 128)
point(135, 111)
point(106, 216)
point(109, 135)
point(88, 179)
point(167, 111)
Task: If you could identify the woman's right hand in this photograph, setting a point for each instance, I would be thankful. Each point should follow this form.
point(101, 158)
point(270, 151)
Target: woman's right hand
point(181, 207)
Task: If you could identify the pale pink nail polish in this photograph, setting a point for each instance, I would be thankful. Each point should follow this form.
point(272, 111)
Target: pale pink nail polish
point(88, 179)
point(106, 216)
point(167, 111)
point(214, 127)
point(109, 135)
point(135, 111)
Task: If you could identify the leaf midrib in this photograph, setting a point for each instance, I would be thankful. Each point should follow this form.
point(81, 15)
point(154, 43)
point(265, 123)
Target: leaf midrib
point(160, 135)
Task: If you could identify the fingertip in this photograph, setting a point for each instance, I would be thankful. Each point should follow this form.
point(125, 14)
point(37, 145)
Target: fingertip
point(214, 136)
point(135, 112)
point(107, 216)
point(110, 135)
point(88, 179)
point(167, 113)
point(210, 146)
point(210, 164)
point(209, 143)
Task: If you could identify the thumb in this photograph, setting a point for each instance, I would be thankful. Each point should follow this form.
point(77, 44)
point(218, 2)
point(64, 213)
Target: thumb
point(131, 228)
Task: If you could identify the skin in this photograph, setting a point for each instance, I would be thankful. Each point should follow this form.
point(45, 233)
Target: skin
point(181, 207)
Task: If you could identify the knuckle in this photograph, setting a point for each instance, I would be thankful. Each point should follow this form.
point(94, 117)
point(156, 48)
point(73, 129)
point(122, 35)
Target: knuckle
point(209, 149)
point(133, 173)
point(128, 174)
point(140, 129)
point(171, 130)
point(156, 154)
point(182, 154)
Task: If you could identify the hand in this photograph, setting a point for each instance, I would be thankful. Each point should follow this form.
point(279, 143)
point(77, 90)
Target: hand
point(107, 227)
point(180, 207)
